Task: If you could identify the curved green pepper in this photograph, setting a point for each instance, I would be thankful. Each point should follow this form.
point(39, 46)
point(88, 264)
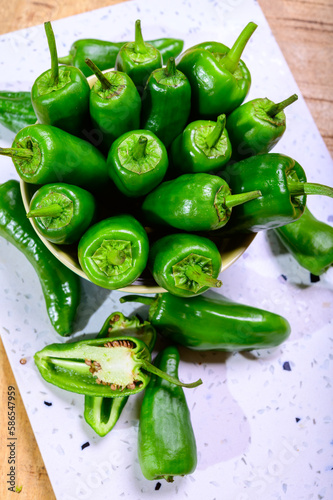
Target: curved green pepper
point(61, 287)
point(62, 212)
point(309, 241)
point(213, 322)
point(185, 264)
point(204, 146)
point(137, 162)
point(166, 442)
point(193, 202)
point(16, 111)
point(114, 252)
point(166, 103)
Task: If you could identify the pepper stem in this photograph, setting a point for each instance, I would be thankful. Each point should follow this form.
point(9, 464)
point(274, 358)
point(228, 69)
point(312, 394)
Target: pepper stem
point(68, 60)
point(53, 210)
point(23, 153)
point(106, 85)
point(115, 257)
point(53, 52)
point(238, 199)
point(138, 298)
point(213, 138)
point(139, 150)
point(173, 380)
point(274, 109)
point(195, 273)
point(299, 188)
point(231, 60)
point(139, 43)
point(170, 69)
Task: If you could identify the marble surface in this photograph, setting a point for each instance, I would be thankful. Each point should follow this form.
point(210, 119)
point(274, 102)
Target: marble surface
point(263, 421)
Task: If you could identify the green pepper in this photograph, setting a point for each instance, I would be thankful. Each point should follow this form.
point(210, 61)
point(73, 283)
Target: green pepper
point(43, 154)
point(114, 252)
point(219, 79)
point(185, 264)
point(60, 96)
point(16, 111)
point(101, 367)
point(193, 202)
point(256, 126)
point(166, 102)
point(104, 53)
point(282, 182)
point(61, 287)
point(204, 146)
point(166, 441)
point(213, 322)
point(138, 59)
point(62, 212)
point(115, 105)
point(309, 241)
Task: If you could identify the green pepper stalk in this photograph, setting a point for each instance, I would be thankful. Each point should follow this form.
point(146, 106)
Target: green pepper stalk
point(60, 96)
point(137, 162)
point(104, 53)
point(138, 59)
point(256, 126)
point(166, 103)
point(203, 146)
point(213, 322)
point(103, 413)
point(219, 78)
point(61, 287)
point(193, 202)
point(16, 111)
point(101, 367)
point(309, 241)
point(62, 212)
point(185, 264)
point(114, 252)
point(166, 441)
point(115, 105)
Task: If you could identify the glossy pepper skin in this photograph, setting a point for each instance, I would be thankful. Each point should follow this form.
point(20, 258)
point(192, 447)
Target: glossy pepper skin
point(114, 252)
point(213, 322)
point(115, 105)
point(256, 126)
point(61, 287)
point(192, 202)
point(62, 212)
point(309, 241)
point(137, 162)
point(104, 53)
point(16, 111)
point(166, 441)
point(43, 154)
point(219, 79)
point(60, 96)
point(166, 103)
point(185, 264)
point(203, 146)
point(103, 413)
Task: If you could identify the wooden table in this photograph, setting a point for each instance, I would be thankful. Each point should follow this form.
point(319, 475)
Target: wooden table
point(302, 28)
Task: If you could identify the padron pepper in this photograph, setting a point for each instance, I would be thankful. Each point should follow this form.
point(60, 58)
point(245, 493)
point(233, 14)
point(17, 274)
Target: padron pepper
point(256, 126)
point(102, 413)
point(61, 287)
point(219, 78)
point(185, 264)
point(166, 441)
point(16, 111)
point(203, 146)
point(213, 322)
point(193, 202)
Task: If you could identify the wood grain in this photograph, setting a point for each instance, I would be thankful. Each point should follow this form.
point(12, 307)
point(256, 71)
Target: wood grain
point(303, 30)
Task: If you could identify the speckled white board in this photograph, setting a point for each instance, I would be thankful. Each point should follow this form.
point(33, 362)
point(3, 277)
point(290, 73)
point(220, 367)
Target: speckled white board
point(263, 421)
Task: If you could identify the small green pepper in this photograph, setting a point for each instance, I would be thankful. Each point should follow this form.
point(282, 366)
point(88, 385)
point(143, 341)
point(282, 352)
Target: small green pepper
point(16, 111)
point(309, 241)
point(203, 146)
point(193, 202)
point(213, 322)
point(185, 264)
point(137, 162)
point(60, 96)
point(166, 441)
point(114, 252)
point(62, 212)
point(256, 126)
